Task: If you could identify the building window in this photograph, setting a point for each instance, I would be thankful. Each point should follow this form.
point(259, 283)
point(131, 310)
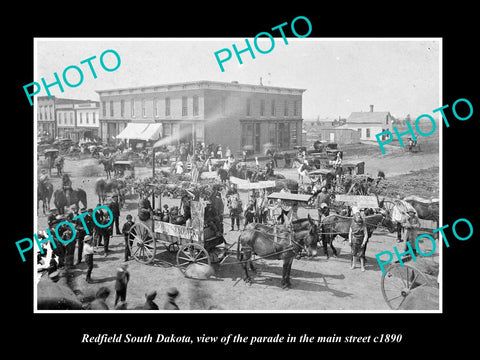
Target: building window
point(111, 108)
point(293, 134)
point(122, 108)
point(195, 105)
point(167, 130)
point(40, 112)
point(144, 113)
point(81, 118)
point(167, 106)
point(184, 106)
point(285, 108)
point(295, 108)
point(273, 109)
point(251, 136)
point(367, 132)
point(86, 118)
point(386, 120)
point(272, 133)
point(104, 109)
point(262, 107)
point(249, 107)
point(155, 108)
point(132, 108)
point(71, 118)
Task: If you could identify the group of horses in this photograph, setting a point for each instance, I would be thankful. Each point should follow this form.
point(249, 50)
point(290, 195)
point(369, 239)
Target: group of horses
point(288, 241)
point(61, 200)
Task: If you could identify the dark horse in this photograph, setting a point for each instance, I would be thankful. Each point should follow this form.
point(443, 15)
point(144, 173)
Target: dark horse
point(280, 243)
point(60, 199)
point(44, 194)
point(335, 224)
point(107, 166)
point(426, 210)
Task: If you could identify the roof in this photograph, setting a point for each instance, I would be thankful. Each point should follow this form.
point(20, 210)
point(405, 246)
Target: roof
point(141, 131)
point(368, 117)
point(206, 84)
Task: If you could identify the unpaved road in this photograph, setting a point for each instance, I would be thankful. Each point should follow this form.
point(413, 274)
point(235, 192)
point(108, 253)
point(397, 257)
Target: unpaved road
point(317, 284)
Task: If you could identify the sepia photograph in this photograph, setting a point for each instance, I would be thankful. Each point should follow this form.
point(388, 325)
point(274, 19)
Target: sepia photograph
point(273, 174)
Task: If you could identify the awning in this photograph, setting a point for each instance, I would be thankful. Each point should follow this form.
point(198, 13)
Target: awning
point(141, 131)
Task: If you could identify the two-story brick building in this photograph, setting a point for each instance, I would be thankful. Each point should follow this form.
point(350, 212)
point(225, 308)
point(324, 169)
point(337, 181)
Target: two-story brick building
point(239, 116)
point(76, 118)
point(46, 123)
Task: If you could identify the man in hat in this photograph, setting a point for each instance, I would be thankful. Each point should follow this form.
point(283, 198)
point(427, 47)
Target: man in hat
point(114, 205)
point(410, 227)
point(121, 282)
point(170, 304)
point(51, 217)
point(357, 237)
point(210, 217)
point(88, 251)
point(249, 213)
point(149, 304)
point(126, 233)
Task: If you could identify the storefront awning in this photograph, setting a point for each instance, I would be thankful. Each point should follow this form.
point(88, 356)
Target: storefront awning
point(135, 131)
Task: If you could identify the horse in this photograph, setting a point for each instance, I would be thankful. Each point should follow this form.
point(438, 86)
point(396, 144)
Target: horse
point(426, 209)
point(104, 187)
point(60, 199)
point(335, 224)
point(44, 194)
point(284, 244)
point(107, 166)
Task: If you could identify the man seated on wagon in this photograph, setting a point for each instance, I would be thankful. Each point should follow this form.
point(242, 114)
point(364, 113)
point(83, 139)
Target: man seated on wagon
point(211, 218)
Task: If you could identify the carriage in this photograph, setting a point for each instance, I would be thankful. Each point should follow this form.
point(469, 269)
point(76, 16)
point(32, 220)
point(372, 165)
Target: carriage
point(120, 167)
point(50, 155)
point(194, 242)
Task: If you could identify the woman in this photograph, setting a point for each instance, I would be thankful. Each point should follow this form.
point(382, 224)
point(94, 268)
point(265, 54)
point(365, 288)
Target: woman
point(357, 237)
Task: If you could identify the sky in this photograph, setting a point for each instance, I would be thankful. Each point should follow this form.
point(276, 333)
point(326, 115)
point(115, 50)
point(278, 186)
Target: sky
point(340, 75)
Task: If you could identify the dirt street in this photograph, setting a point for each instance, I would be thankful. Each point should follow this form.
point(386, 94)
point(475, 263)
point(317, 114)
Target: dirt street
point(317, 284)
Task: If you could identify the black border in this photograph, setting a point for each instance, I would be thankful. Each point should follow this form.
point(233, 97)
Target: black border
point(429, 331)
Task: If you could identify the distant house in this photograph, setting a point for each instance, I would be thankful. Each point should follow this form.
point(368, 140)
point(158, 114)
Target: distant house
point(369, 123)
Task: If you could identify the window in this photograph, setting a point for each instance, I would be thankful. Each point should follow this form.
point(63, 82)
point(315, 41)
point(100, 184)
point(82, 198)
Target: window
point(195, 105)
point(111, 108)
point(104, 109)
point(367, 132)
point(155, 108)
point(86, 117)
point(262, 107)
point(144, 112)
point(167, 106)
point(184, 106)
point(132, 108)
point(81, 118)
point(272, 133)
point(40, 112)
point(285, 108)
point(293, 134)
point(273, 110)
point(71, 118)
point(249, 107)
point(295, 108)
point(122, 108)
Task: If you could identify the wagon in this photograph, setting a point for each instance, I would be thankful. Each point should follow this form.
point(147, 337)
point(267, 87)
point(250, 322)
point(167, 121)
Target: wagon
point(286, 201)
point(121, 166)
point(412, 285)
point(194, 244)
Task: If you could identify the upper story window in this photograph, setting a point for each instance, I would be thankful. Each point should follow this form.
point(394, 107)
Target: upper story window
point(184, 106)
point(167, 106)
point(195, 105)
point(249, 107)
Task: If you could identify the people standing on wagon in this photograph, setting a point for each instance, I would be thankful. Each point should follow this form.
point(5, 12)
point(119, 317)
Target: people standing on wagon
point(249, 213)
point(121, 282)
point(357, 237)
point(126, 234)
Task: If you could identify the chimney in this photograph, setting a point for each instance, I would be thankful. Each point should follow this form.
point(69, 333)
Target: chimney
point(371, 108)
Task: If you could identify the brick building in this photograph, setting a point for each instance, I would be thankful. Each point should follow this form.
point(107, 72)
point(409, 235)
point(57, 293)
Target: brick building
point(46, 123)
point(77, 118)
point(239, 116)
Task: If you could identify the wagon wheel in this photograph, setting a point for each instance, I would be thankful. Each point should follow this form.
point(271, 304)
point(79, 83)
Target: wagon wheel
point(388, 205)
point(399, 282)
point(143, 243)
point(192, 253)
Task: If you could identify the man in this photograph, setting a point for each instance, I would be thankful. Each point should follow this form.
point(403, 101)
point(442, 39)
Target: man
point(170, 304)
point(235, 207)
point(115, 207)
point(149, 304)
point(104, 233)
point(410, 226)
point(145, 210)
point(210, 218)
point(249, 213)
point(51, 219)
point(357, 237)
point(126, 233)
point(218, 205)
point(121, 282)
point(262, 208)
point(81, 232)
point(88, 250)
point(67, 186)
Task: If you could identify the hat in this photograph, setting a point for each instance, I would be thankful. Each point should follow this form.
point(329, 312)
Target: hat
point(323, 205)
point(59, 217)
point(173, 291)
point(411, 212)
point(129, 216)
point(87, 238)
point(150, 295)
point(54, 276)
point(53, 208)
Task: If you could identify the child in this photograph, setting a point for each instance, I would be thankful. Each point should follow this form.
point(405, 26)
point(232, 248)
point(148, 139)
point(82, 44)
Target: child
point(165, 213)
point(88, 255)
point(126, 231)
point(123, 277)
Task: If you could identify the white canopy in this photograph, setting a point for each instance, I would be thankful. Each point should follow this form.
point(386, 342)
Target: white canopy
point(141, 131)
